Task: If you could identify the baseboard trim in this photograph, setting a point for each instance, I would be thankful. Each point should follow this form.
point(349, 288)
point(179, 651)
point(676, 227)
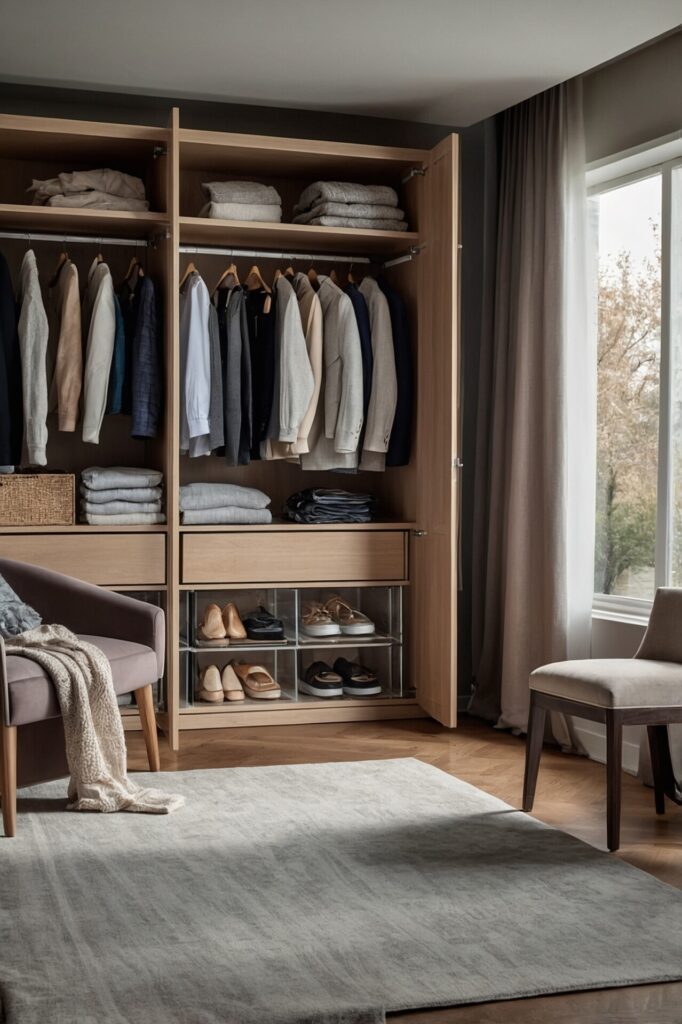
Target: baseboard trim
point(592, 736)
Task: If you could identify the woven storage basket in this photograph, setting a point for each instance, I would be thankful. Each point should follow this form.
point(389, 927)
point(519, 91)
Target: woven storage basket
point(37, 499)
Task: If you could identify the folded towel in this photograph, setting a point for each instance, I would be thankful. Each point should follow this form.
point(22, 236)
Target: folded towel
point(116, 508)
point(264, 212)
point(230, 514)
point(241, 192)
point(128, 519)
point(366, 210)
point(100, 478)
point(121, 494)
point(358, 222)
point(219, 496)
point(114, 183)
point(98, 201)
point(345, 192)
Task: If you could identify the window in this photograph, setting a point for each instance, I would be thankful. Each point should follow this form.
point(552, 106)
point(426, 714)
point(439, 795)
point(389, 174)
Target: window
point(636, 219)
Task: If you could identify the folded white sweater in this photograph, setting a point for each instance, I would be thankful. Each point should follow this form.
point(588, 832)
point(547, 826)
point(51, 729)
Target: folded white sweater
point(229, 514)
point(219, 496)
point(264, 212)
point(241, 192)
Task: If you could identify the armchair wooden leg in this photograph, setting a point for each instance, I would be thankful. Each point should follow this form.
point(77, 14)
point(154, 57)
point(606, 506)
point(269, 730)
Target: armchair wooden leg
point(8, 778)
point(536, 732)
point(145, 704)
point(614, 762)
point(657, 770)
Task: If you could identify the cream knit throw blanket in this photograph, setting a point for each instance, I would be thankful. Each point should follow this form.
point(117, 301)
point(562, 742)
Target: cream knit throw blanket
point(95, 745)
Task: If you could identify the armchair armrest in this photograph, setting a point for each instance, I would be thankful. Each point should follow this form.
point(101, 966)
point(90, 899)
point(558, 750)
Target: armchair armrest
point(86, 608)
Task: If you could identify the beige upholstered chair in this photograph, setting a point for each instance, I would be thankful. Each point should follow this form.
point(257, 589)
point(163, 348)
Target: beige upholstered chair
point(644, 690)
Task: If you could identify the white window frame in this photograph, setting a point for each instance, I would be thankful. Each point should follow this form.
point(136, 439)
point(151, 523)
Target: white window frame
point(660, 157)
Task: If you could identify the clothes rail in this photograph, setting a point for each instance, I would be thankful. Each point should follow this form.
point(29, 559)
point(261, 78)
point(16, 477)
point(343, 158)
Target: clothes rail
point(39, 236)
point(209, 250)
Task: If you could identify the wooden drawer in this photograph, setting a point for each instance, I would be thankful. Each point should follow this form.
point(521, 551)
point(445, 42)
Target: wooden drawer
point(288, 557)
point(108, 559)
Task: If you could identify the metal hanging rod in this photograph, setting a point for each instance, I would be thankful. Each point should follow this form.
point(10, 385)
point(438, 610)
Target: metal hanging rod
point(209, 250)
point(39, 236)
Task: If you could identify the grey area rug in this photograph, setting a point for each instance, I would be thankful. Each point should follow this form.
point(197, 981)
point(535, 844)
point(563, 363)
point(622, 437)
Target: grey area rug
point(312, 893)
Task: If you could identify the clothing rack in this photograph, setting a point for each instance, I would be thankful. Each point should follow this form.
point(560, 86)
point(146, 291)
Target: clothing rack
point(38, 236)
point(210, 250)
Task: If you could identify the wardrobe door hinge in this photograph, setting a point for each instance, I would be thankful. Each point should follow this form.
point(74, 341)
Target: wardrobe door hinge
point(412, 173)
point(160, 151)
point(457, 463)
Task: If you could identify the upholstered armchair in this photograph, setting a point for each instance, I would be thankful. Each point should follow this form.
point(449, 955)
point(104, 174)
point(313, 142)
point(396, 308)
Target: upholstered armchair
point(132, 635)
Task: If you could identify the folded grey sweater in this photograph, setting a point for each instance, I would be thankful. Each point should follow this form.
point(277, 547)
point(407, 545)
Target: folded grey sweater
point(366, 210)
point(114, 508)
point(359, 222)
point(229, 514)
point(268, 213)
point(241, 192)
point(121, 494)
point(207, 495)
point(100, 478)
point(345, 192)
point(128, 519)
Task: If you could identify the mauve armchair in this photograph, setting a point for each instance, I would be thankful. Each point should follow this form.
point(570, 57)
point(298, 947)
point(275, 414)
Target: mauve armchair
point(132, 635)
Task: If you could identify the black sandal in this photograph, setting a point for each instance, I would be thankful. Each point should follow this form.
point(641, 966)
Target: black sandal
point(261, 625)
point(358, 681)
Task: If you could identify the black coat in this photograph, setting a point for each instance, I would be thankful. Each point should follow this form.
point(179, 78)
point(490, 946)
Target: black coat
point(11, 404)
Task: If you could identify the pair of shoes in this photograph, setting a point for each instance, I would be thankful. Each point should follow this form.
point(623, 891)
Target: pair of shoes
point(216, 686)
point(221, 626)
point(346, 677)
point(261, 625)
point(236, 681)
point(334, 617)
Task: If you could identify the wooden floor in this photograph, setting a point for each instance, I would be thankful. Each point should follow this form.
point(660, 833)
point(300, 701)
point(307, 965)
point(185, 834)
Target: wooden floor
point(571, 796)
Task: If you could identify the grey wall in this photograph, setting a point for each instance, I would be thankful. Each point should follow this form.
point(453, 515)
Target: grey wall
point(634, 99)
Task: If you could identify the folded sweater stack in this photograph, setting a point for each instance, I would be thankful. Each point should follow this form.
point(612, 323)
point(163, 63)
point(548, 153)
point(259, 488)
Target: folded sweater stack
point(223, 503)
point(102, 189)
point(343, 204)
point(121, 495)
point(242, 200)
point(326, 505)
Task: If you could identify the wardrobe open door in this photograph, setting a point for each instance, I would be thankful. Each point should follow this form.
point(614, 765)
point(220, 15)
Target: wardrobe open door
point(434, 547)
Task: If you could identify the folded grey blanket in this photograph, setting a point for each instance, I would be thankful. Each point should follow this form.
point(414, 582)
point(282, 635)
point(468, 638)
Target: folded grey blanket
point(103, 179)
point(127, 519)
point(115, 508)
point(230, 514)
point(220, 496)
point(262, 212)
point(345, 192)
point(100, 478)
point(121, 494)
point(366, 210)
point(241, 192)
point(360, 222)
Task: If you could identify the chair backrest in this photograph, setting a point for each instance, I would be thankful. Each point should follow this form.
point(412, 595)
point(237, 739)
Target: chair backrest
point(663, 638)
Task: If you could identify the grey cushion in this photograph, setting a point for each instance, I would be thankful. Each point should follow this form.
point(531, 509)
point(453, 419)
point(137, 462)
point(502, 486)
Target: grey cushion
point(32, 697)
point(613, 682)
point(15, 615)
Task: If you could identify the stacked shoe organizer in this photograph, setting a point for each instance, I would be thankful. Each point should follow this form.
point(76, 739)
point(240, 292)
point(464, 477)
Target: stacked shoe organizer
point(252, 647)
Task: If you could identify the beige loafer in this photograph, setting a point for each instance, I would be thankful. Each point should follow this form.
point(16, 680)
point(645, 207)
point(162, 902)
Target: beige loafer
point(211, 626)
point(234, 627)
point(257, 681)
point(232, 687)
point(210, 688)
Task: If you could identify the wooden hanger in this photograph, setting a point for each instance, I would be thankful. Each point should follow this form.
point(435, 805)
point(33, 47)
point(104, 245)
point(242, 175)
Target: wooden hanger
point(189, 269)
point(63, 258)
point(334, 277)
point(312, 277)
point(278, 274)
point(351, 279)
point(290, 272)
point(230, 272)
point(132, 266)
point(254, 280)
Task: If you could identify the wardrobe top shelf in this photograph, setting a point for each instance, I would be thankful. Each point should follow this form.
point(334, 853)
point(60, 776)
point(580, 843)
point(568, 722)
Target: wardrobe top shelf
point(114, 223)
point(56, 138)
point(201, 150)
point(295, 237)
point(284, 526)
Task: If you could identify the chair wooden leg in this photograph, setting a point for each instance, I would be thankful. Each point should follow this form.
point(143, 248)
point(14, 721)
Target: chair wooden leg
point(614, 761)
point(8, 778)
point(536, 732)
point(656, 752)
point(145, 704)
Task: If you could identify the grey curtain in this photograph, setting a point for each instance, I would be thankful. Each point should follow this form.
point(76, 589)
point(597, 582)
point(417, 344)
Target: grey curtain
point(534, 475)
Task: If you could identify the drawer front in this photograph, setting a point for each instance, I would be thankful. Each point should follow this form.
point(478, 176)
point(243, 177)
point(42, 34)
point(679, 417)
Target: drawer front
point(288, 557)
point(130, 559)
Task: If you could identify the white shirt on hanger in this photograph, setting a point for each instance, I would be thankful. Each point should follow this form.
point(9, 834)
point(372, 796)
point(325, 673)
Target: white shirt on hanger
point(99, 322)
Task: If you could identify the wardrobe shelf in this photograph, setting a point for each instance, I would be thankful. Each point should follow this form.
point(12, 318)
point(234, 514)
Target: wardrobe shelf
point(51, 138)
point(112, 223)
point(303, 644)
point(84, 528)
point(283, 524)
point(295, 237)
point(303, 700)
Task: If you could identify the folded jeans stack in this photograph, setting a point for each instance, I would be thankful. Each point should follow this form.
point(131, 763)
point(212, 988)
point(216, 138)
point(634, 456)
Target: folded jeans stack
point(206, 503)
point(121, 495)
point(323, 505)
point(242, 200)
point(343, 204)
point(101, 189)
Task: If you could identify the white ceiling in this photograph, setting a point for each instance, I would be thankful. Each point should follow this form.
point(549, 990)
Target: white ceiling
point(442, 61)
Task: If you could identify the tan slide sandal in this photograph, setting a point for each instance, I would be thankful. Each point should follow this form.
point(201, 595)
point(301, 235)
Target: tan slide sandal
point(257, 681)
point(232, 688)
point(210, 687)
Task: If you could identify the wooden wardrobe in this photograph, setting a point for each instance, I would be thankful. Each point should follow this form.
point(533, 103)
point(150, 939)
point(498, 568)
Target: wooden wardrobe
point(410, 555)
